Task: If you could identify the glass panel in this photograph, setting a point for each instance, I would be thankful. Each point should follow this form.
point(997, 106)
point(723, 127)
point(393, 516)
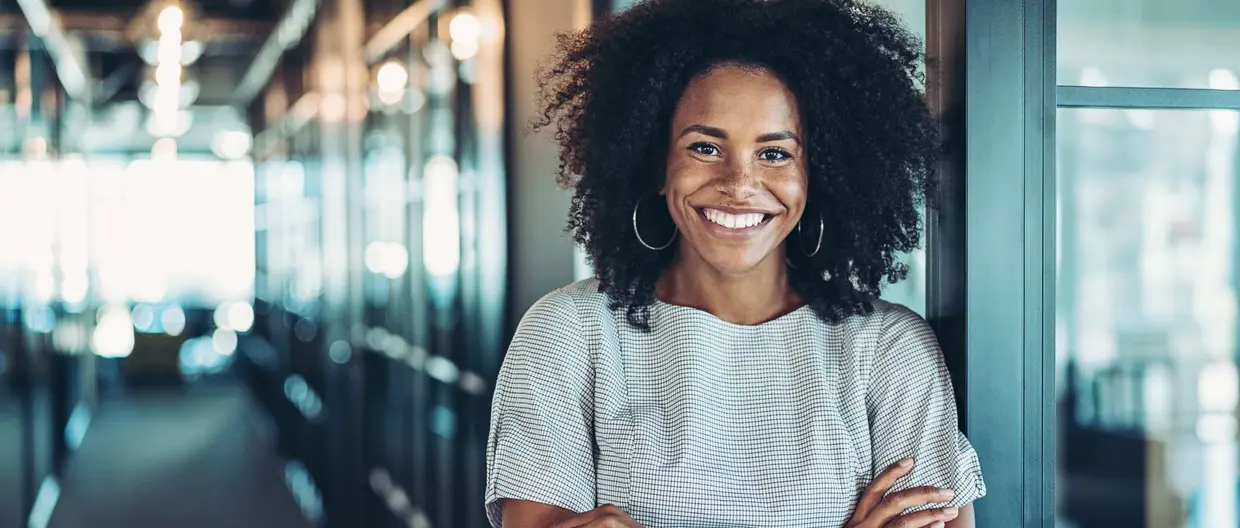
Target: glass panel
point(910, 292)
point(1148, 43)
point(1146, 318)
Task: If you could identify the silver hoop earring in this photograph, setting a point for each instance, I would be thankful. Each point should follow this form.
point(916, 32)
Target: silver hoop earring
point(639, 233)
point(818, 246)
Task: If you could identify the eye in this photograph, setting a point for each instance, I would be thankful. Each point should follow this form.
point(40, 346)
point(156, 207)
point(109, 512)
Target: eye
point(774, 154)
point(705, 149)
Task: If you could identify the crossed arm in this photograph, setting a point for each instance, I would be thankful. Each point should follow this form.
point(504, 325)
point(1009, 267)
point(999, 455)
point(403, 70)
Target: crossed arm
point(526, 514)
point(876, 509)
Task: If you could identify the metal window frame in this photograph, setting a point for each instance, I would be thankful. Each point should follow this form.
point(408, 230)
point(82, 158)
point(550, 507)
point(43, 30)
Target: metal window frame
point(1146, 98)
point(1009, 253)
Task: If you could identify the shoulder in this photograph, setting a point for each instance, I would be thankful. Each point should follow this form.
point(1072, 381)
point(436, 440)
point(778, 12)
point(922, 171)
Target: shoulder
point(895, 319)
point(555, 328)
point(886, 320)
point(566, 306)
point(891, 330)
point(903, 336)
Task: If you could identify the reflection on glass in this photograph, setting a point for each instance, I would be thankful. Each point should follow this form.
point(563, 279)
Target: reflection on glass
point(441, 221)
point(386, 256)
point(1146, 318)
point(293, 262)
point(1146, 43)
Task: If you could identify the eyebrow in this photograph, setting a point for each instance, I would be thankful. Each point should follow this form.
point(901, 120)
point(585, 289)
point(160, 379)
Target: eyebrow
point(703, 129)
point(719, 133)
point(778, 136)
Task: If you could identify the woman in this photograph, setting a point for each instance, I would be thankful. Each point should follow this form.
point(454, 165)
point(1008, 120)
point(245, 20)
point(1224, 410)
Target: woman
point(745, 173)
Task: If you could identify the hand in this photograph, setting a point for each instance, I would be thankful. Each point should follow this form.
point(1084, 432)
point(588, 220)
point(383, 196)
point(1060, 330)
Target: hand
point(875, 511)
point(606, 516)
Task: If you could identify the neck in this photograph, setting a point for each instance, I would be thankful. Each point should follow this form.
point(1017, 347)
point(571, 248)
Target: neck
point(753, 297)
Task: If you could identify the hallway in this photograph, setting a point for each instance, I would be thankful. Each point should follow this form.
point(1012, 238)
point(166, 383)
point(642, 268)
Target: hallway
point(176, 457)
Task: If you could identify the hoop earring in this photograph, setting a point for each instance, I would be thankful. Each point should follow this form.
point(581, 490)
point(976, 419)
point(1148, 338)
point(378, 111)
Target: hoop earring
point(639, 234)
point(818, 246)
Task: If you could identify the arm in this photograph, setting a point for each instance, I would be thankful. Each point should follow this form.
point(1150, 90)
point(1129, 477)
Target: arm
point(912, 412)
point(906, 509)
point(540, 447)
point(965, 520)
point(527, 514)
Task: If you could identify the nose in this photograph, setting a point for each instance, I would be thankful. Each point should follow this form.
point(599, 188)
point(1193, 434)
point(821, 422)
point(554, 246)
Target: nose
point(739, 181)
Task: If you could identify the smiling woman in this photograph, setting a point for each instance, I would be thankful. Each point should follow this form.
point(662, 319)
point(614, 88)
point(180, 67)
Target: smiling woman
point(745, 173)
point(628, 96)
point(736, 187)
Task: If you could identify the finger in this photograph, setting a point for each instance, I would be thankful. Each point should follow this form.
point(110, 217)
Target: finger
point(875, 491)
point(925, 519)
point(891, 507)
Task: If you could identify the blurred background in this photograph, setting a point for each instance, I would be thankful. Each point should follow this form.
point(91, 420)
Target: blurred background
point(259, 259)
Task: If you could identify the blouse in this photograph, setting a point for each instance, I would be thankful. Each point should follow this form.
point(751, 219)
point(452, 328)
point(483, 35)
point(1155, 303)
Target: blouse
point(705, 423)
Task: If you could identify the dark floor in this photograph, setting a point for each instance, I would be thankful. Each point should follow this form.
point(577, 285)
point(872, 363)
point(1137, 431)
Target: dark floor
point(176, 457)
point(10, 458)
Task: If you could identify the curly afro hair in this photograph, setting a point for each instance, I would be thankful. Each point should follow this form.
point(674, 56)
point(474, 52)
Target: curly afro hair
point(611, 90)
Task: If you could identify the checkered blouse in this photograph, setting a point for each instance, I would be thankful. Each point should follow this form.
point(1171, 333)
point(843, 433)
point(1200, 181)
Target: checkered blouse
point(705, 423)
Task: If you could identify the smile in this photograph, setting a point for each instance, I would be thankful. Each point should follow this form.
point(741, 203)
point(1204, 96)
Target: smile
point(734, 224)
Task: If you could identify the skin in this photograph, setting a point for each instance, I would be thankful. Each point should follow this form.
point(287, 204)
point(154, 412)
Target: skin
point(876, 509)
point(735, 144)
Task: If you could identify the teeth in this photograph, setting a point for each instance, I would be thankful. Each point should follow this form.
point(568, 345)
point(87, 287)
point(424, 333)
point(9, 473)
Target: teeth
point(734, 221)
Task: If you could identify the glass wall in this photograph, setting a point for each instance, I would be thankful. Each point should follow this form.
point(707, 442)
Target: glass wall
point(1147, 315)
point(1147, 43)
point(1147, 264)
point(381, 259)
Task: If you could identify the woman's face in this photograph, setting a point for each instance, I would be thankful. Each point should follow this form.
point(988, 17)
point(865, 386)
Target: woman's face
point(736, 171)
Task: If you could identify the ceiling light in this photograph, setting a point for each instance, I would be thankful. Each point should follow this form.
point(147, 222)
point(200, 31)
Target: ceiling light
point(392, 77)
point(231, 144)
point(464, 26)
point(170, 19)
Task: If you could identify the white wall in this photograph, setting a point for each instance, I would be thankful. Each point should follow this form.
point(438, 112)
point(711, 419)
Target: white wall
point(541, 254)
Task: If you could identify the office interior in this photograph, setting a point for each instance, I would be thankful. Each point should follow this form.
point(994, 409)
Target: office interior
point(260, 259)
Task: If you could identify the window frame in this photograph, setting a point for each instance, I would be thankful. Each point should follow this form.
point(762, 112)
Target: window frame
point(1071, 96)
point(1002, 353)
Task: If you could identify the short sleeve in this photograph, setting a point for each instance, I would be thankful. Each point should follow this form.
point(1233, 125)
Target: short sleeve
point(541, 444)
point(912, 412)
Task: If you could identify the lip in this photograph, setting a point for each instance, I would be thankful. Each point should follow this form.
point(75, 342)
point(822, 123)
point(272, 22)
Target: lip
point(728, 233)
point(736, 210)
